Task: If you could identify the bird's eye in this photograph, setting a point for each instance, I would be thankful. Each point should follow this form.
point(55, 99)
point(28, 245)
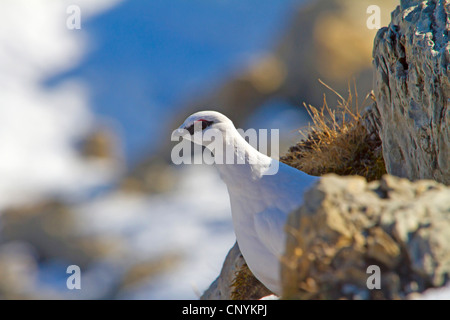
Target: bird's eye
point(205, 124)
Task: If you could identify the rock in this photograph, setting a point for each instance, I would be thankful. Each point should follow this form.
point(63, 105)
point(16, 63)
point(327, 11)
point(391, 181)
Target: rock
point(412, 89)
point(347, 224)
point(221, 288)
point(18, 269)
point(149, 177)
point(235, 281)
point(99, 144)
point(49, 227)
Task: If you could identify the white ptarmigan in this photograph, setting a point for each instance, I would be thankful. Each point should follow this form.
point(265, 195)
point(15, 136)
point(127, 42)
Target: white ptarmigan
point(260, 202)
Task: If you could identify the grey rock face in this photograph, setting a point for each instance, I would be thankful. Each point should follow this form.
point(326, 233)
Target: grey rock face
point(412, 88)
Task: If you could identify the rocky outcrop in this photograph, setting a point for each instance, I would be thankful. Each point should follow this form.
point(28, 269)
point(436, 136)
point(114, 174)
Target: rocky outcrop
point(412, 88)
point(347, 225)
point(235, 281)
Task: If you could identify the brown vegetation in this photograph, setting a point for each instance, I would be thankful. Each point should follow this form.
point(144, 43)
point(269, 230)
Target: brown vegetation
point(338, 142)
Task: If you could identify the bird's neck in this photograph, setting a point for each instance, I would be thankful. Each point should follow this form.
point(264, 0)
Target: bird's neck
point(238, 161)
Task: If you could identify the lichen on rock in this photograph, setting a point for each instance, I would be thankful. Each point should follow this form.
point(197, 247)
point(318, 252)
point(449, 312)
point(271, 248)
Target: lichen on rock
point(235, 282)
point(412, 87)
point(347, 224)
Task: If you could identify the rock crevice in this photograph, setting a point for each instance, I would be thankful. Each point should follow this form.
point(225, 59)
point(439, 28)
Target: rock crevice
point(412, 90)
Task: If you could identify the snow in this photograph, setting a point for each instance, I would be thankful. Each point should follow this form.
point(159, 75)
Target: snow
point(39, 126)
point(442, 293)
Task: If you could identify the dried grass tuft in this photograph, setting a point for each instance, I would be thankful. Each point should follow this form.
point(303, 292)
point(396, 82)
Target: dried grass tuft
point(338, 141)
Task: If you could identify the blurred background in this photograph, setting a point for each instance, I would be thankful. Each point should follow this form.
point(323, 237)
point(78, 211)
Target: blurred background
point(85, 122)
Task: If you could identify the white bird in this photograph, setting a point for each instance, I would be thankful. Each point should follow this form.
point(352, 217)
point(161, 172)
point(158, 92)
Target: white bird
point(260, 202)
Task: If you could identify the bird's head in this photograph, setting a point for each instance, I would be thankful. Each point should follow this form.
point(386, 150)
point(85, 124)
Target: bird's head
point(201, 126)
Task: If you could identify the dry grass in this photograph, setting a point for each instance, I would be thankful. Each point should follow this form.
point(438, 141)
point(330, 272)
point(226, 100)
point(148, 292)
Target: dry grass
point(338, 141)
point(247, 287)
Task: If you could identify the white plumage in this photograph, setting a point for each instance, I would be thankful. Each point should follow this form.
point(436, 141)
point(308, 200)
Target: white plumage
point(260, 203)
